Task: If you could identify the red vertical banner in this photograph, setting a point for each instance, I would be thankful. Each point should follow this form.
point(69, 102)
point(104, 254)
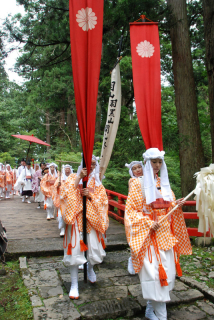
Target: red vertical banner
point(86, 29)
point(145, 51)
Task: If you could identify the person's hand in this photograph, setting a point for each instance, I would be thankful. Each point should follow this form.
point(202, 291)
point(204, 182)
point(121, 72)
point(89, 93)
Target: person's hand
point(155, 226)
point(83, 173)
point(180, 202)
point(85, 192)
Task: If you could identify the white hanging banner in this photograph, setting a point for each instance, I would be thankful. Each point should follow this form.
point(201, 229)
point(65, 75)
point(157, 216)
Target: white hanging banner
point(113, 118)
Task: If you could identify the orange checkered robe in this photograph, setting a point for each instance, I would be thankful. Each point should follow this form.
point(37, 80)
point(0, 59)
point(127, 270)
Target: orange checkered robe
point(46, 186)
point(9, 177)
point(56, 192)
point(96, 208)
point(2, 179)
point(139, 218)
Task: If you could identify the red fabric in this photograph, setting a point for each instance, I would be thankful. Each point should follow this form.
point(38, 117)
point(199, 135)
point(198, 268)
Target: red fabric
point(147, 83)
point(86, 47)
point(30, 138)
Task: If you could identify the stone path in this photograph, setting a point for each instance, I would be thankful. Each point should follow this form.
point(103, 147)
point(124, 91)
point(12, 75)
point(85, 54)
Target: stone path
point(116, 294)
point(30, 234)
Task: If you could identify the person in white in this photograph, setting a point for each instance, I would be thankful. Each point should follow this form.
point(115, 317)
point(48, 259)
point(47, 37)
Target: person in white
point(97, 223)
point(47, 187)
point(135, 171)
point(9, 181)
point(2, 180)
point(39, 197)
point(19, 171)
point(66, 171)
point(25, 182)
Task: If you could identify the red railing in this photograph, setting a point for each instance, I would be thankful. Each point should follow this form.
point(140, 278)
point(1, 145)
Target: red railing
point(120, 205)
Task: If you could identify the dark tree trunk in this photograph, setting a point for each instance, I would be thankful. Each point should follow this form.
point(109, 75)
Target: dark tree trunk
point(191, 150)
point(208, 13)
point(71, 120)
point(48, 137)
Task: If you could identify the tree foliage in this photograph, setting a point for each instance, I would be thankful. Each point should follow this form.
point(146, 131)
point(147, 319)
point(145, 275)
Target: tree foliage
point(45, 104)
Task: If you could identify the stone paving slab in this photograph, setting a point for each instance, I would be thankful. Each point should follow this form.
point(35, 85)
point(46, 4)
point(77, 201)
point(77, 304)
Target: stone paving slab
point(30, 234)
point(115, 294)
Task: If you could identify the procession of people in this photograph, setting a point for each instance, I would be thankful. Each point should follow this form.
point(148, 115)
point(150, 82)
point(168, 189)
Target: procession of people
point(155, 246)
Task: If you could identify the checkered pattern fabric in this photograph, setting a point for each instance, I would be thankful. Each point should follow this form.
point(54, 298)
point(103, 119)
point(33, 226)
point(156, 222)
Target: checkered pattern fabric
point(139, 218)
point(46, 187)
point(9, 177)
point(2, 180)
point(96, 207)
point(56, 193)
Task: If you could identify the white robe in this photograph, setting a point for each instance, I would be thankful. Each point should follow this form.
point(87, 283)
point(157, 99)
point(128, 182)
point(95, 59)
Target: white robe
point(23, 182)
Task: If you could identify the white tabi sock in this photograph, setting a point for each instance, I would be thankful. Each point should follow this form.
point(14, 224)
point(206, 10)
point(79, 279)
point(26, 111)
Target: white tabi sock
point(48, 214)
point(91, 274)
point(130, 266)
point(159, 309)
point(74, 292)
point(149, 314)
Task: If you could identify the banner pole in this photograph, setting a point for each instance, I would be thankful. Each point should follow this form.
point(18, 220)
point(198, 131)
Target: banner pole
point(84, 222)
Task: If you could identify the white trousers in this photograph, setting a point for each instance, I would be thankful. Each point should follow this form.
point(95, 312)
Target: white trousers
point(49, 207)
point(149, 276)
point(60, 220)
point(39, 197)
point(159, 309)
point(95, 252)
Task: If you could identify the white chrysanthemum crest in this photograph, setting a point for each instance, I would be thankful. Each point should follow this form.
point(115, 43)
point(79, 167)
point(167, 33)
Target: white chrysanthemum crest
point(86, 19)
point(145, 49)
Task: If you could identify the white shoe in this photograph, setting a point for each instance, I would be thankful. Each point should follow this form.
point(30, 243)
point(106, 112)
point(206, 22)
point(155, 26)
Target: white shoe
point(38, 207)
point(23, 199)
point(48, 216)
point(28, 201)
point(149, 314)
point(62, 232)
point(130, 266)
point(91, 274)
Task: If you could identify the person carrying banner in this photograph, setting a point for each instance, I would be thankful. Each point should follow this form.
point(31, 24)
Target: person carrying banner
point(24, 182)
point(39, 197)
point(66, 171)
point(135, 171)
point(47, 186)
point(97, 223)
point(155, 246)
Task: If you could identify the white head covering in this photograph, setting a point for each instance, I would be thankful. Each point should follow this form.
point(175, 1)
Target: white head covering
point(133, 163)
point(9, 166)
point(1, 166)
point(151, 191)
point(55, 166)
point(35, 165)
point(64, 177)
point(94, 174)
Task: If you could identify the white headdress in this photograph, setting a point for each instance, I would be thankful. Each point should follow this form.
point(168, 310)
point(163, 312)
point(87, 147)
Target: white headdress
point(130, 165)
point(64, 177)
point(55, 166)
point(151, 191)
point(1, 166)
point(94, 174)
point(8, 165)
